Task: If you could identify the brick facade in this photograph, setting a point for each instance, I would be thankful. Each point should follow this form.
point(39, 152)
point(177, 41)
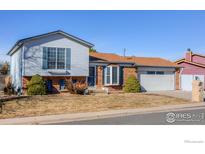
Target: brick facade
point(177, 79)
point(99, 76)
point(129, 71)
point(55, 82)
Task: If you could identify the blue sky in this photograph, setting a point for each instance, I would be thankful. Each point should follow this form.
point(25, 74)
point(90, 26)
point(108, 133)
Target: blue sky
point(165, 34)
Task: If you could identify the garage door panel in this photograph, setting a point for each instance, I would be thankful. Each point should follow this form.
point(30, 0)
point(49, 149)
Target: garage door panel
point(157, 82)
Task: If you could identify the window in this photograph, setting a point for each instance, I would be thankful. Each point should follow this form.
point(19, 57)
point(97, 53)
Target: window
point(155, 72)
point(160, 72)
point(112, 75)
point(51, 58)
point(108, 75)
point(150, 72)
point(61, 58)
point(56, 58)
point(62, 84)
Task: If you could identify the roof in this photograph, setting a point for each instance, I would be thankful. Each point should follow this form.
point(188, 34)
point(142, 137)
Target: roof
point(191, 62)
point(153, 61)
point(20, 42)
point(108, 57)
point(139, 61)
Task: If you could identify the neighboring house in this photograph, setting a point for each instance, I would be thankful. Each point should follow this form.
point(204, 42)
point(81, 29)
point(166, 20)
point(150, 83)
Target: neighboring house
point(57, 56)
point(193, 67)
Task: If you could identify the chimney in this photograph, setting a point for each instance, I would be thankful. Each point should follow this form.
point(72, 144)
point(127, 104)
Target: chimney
point(188, 56)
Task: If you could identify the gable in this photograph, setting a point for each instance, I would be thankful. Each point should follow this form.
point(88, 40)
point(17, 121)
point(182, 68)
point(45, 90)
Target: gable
point(48, 36)
point(189, 68)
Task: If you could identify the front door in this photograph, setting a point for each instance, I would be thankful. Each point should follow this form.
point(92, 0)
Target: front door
point(91, 78)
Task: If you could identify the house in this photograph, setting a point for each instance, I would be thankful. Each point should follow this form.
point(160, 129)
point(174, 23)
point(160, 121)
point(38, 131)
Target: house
point(111, 71)
point(193, 67)
point(57, 56)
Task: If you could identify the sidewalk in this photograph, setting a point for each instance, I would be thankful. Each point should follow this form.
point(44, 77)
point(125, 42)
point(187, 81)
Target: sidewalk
point(51, 119)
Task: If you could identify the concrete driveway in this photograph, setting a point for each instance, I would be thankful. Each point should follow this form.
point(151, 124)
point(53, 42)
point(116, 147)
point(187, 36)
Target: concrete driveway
point(178, 94)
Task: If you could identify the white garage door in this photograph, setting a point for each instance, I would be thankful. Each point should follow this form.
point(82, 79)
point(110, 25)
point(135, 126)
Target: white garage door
point(154, 82)
point(186, 81)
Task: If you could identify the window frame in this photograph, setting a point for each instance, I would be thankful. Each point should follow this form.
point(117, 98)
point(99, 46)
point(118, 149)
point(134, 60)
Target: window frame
point(111, 76)
point(56, 58)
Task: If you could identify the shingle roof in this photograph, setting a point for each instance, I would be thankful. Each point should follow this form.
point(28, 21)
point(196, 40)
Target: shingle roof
point(109, 57)
point(139, 61)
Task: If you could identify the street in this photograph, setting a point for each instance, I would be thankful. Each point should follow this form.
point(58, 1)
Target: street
point(187, 116)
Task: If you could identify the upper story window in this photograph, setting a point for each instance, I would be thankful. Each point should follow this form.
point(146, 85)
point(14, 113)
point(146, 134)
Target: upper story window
point(61, 58)
point(51, 58)
point(111, 75)
point(56, 58)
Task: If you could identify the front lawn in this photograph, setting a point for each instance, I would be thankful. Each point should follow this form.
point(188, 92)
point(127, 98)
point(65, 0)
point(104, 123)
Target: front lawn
point(67, 103)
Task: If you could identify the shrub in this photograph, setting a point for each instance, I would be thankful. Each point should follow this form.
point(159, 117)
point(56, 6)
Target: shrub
point(80, 87)
point(8, 88)
point(76, 88)
point(132, 85)
point(5, 68)
point(36, 86)
point(70, 85)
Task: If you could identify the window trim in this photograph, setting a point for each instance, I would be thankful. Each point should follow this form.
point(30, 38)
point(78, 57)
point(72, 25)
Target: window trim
point(111, 82)
point(56, 59)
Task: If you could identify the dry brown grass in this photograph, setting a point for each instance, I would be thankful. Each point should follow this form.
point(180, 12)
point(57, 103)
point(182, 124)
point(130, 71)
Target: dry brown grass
point(59, 104)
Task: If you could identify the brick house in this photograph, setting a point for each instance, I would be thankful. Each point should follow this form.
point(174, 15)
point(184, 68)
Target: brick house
point(57, 56)
point(193, 67)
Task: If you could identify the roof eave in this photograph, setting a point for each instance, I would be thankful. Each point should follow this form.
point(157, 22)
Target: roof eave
point(113, 62)
point(159, 66)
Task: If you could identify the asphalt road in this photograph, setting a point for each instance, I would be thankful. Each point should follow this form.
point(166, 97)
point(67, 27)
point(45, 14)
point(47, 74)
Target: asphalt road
point(189, 116)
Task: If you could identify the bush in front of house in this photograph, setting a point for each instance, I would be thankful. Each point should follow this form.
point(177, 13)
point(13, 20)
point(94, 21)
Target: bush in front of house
point(5, 68)
point(36, 86)
point(8, 88)
point(132, 85)
point(79, 87)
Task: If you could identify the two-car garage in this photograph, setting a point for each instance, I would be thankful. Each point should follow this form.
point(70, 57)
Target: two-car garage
point(156, 78)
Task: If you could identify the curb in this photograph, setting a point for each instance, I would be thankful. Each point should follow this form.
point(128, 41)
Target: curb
point(55, 119)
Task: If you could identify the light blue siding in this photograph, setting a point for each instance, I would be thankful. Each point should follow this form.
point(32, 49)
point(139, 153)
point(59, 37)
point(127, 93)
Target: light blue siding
point(33, 54)
point(31, 59)
point(16, 69)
